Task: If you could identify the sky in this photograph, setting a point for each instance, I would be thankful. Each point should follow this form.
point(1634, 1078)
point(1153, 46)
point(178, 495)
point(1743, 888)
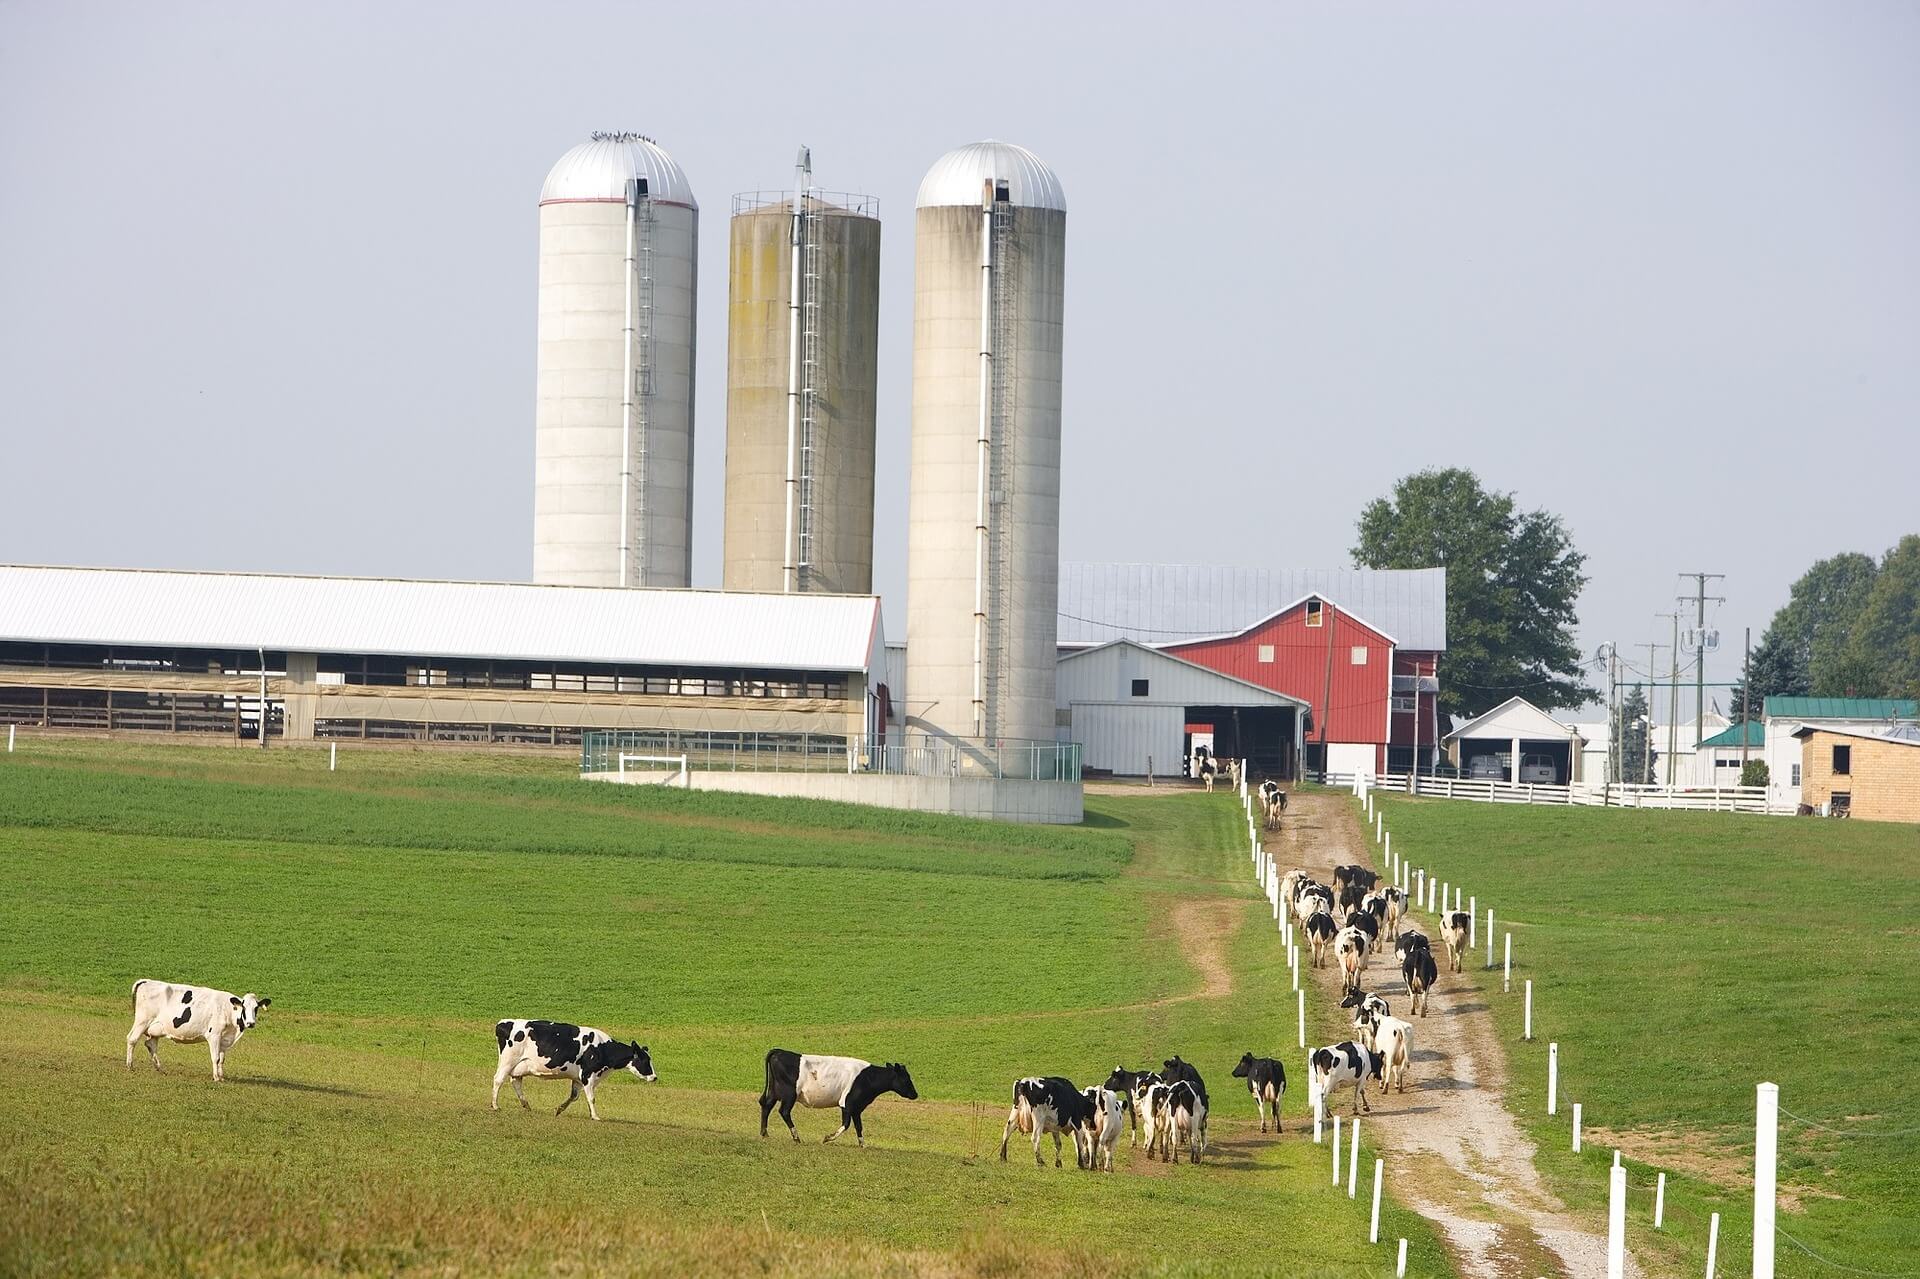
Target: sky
point(267, 271)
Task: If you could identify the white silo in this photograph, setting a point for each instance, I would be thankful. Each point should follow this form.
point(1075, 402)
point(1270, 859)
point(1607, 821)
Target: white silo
point(803, 332)
point(983, 539)
point(613, 423)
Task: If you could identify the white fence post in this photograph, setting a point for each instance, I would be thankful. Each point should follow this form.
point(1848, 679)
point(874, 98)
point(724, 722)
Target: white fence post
point(1301, 995)
point(1319, 1101)
point(1553, 1078)
point(333, 753)
point(1379, 1169)
point(1400, 1267)
point(1576, 1127)
point(1336, 1148)
point(1353, 1156)
point(1489, 937)
point(1528, 1036)
point(10, 728)
point(1506, 978)
point(1659, 1201)
point(1473, 920)
point(1713, 1242)
point(1296, 986)
point(1766, 1149)
point(1617, 1224)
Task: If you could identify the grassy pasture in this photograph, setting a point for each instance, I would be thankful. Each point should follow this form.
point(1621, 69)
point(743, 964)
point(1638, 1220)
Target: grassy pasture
point(395, 909)
point(1679, 959)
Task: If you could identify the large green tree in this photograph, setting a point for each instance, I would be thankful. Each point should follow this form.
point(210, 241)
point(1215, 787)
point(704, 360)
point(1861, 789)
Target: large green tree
point(1512, 579)
point(1777, 672)
point(1883, 650)
point(1807, 648)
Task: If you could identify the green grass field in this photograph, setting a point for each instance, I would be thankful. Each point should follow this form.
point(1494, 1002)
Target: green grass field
point(1679, 959)
point(395, 909)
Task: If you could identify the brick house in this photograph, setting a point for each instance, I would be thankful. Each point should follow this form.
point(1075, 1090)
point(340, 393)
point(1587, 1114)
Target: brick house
point(1870, 773)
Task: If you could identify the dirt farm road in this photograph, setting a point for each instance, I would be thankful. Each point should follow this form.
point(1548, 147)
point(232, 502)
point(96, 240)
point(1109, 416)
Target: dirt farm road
point(1458, 1156)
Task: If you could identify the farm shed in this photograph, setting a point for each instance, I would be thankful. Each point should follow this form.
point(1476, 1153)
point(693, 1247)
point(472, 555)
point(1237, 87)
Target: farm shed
point(1721, 753)
point(222, 654)
point(1784, 717)
point(1859, 772)
point(1135, 709)
point(1359, 647)
point(1513, 732)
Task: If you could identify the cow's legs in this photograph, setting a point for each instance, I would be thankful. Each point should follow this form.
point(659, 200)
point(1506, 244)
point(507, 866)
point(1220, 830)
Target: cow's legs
point(133, 1037)
point(1006, 1134)
point(786, 1117)
point(1360, 1094)
point(521, 1093)
point(213, 1053)
point(859, 1133)
point(499, 1077)
point(573, 1090)
point(766, 1108)
point(588, 1089)
point(1056, 1149)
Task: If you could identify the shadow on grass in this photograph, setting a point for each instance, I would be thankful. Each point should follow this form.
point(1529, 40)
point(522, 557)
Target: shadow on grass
point(291, 1085)
point(1103, 821)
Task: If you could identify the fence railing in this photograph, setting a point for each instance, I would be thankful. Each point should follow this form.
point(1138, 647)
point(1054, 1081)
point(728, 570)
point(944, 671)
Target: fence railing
point(1716, 799)
point(916, 755)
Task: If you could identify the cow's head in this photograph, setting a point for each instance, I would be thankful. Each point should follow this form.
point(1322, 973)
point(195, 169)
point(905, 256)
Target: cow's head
point(1352, 999)
point(246, 1009)
point(901, 1082)
point(1245, 1068)
point(639, 1061)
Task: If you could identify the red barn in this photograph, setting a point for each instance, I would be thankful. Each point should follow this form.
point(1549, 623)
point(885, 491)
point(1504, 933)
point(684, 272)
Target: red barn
point(1360, 646)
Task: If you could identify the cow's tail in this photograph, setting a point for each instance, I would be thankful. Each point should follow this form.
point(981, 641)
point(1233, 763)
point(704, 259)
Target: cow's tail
point(136, 993)
point(501, 1029)
point(766, 1087)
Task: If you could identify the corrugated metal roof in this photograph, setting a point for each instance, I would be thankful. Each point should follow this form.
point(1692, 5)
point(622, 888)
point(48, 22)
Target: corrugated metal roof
point(1842, 708)
point(956, 177)
point(1177, 603)
point(502, 621)
point(1756, 735)
point(1898, 734)
point(598, 169)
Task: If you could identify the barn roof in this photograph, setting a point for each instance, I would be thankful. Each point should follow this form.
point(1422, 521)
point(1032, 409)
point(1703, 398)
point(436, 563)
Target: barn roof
point(1177, 603)
point(1100, 673)
point(500, 621)
point(1515, 717)
point(1841, 708)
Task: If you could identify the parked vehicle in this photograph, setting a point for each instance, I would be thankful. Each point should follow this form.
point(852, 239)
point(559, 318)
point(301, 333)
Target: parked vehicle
point(1539, 769)
point(1487, 768)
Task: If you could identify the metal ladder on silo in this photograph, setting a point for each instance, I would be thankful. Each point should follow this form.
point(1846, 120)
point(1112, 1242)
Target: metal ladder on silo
point(643, 380)
point(1005, 345)
point(812, 375)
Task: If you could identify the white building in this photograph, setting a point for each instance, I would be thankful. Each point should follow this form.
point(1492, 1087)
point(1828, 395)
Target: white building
point(1786, 716)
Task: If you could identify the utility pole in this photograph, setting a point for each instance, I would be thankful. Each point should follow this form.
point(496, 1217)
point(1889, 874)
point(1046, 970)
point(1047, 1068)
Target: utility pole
point(1746, 703)
point(1700, 598)
point(1673, 690)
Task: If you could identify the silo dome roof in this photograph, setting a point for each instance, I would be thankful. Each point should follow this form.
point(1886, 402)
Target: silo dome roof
point(598, 169)
point(955, 177)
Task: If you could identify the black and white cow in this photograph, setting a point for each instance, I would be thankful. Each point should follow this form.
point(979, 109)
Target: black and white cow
point(1132, 1086)
point(1045, 1104)
point(1173, 1070)
point(580, 1055)
point(1420, 972)
point(1351, 895)
point(824, 1083)
point(1108, 1109)
point(189, 1014)
point(1455, 933)
point(1407, 942)
point(1273, 802)
point(1313, 897)
point(1267, 1081)
point(1182, 1106)
point(1396, 907)
point(1366, 923)
point(1341, 1064)
point(1368, 1008)
point(1350, 952)
point(1320, 930)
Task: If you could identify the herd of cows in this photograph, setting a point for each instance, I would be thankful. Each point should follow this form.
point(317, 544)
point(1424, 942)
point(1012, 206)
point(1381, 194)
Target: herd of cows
point(1166, 1109)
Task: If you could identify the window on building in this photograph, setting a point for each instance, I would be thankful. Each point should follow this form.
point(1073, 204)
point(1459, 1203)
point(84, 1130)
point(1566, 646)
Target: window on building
point(1266, 653)
point(1313, 612)
point(1402, 702)
point(1796, 774)
point(1359, 654)
point(1842, 761)
point(1139, 688)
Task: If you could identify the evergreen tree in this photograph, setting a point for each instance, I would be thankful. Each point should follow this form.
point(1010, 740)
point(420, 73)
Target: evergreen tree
point(1631, 752)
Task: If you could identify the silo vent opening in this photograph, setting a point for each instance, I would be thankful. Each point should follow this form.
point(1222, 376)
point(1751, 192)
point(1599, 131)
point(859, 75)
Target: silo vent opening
point(1000, 193)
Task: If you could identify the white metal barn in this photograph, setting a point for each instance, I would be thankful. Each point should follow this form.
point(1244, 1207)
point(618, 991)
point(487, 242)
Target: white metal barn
point(1130, 708)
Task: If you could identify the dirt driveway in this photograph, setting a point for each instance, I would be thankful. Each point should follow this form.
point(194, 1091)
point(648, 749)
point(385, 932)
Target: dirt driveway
point(1459, 1158)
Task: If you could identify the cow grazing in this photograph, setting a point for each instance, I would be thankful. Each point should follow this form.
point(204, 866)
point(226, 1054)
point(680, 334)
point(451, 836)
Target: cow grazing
point(1420, 972)
point(1107, 1117)
point(1045, 1104)
point(581, 1055)
point(823, 1083)
point(1320, 931)
point(1455, 935)
point(1350, 952)
point(190, 1014)
point(1341, 1064)
point(1267, 1081)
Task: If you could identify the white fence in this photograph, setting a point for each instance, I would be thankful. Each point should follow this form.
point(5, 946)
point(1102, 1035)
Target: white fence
point(1719, 799)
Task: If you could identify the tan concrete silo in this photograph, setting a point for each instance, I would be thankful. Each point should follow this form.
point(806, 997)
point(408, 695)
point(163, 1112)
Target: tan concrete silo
point(803, 331)
point(613, 421)
point(983, 540)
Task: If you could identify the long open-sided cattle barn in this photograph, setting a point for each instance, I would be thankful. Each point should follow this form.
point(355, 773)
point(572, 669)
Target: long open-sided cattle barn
point(133, 650)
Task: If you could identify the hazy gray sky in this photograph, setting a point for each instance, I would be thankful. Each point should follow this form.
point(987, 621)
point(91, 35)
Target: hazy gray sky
point(267, 271)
